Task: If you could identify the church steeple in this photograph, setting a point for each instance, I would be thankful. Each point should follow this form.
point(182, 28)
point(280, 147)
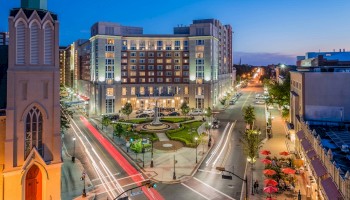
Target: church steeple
point(34, 4)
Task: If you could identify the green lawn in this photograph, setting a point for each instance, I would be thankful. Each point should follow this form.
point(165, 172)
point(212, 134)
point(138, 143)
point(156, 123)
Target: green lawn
point(186, 133)
point(174, 119)
point(139, 120)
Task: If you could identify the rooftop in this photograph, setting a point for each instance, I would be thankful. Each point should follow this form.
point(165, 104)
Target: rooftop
point(28, 12)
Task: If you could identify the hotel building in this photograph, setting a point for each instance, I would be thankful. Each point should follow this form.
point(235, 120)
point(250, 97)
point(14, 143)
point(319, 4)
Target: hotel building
point(193, 65)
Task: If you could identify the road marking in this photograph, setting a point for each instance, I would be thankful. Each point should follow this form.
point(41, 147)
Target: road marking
point(213, 188)
point(195, 191)
point(218, 146)
point(227, 139)
point(209, 171)
point(116, 174)
point(244, 182)
point(246, 100)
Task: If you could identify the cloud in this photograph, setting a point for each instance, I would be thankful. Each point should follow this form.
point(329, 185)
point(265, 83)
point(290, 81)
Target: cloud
point(259, 58)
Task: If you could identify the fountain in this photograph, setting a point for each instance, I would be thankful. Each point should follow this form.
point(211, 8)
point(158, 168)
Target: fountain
point(156, 125)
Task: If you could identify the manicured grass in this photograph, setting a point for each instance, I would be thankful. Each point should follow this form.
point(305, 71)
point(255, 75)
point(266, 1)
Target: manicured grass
point(185, 134)
point(174, 119)
point(139, 120)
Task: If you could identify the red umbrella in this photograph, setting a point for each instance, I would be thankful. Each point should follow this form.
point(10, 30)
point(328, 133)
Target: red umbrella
point(284, 153)
point(288, 171)
point(265, 152)
point(270, 198)
point(270, 182)
point(269, 172)
point(270, 189)
point(266, 161)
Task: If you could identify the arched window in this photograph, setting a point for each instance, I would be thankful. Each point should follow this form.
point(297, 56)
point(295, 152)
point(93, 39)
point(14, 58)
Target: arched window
point(48, 43)
point(33, 131)
point(20, 42)
point(34, 43)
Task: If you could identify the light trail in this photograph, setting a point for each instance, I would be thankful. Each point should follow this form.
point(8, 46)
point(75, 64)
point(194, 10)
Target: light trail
point(123, 163)
point(218, 145)
point(227, 139)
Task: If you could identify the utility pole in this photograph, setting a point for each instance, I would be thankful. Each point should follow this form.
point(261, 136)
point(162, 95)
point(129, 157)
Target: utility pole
point(245, 180)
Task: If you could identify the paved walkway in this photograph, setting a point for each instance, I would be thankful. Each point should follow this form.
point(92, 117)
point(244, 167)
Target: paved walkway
point(276, 144)
point(162, 137)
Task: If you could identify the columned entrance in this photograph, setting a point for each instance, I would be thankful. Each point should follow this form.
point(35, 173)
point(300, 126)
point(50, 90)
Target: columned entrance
point(33, 185)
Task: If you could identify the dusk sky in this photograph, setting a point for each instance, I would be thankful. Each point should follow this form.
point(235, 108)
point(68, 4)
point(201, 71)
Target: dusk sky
point(266, 31)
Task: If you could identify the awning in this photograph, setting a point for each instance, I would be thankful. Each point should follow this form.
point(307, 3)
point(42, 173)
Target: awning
point(331, 189)
point(300, 134)
point(318, 167)
point(311, 154)
point(306, 145)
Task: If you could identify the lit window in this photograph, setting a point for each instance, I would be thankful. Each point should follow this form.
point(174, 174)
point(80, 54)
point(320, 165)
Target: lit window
point(159, 60)
point(168, 61)
point(133, 91)
point(142, 73)
point(133, 80)
point(109, 92)
point(124, 91)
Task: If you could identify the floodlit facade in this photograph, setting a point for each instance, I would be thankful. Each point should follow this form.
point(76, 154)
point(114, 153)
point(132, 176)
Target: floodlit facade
point(30, 140)
point(193, 65)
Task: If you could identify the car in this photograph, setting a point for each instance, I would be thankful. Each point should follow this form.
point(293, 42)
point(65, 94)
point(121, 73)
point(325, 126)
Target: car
point(143, 115)
point(174, 114)
point(215, 124)
point(139, 111)
point(260, 102)
point(148, 111)
point(232, 102)
point(196, 112)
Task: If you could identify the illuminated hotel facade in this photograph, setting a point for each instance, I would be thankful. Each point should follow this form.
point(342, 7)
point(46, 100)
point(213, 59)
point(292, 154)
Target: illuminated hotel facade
point(193, 65)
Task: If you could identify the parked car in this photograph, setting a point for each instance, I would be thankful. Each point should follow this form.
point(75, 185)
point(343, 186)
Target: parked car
point(232, 102)
point(139, 111)
point(260, 102)
point(174, 114)
point(196, 112)
point(143, 115)
point(148, 111)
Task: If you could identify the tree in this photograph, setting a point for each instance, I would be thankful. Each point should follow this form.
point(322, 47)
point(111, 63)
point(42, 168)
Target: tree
point(65, 118)
point(285, 113)
point(249, 116)
point(185, 109)
point(279, 93)
point(106, 121)
point(208, 112)
point(251, 143)
point(127, 109)
point(118, 130)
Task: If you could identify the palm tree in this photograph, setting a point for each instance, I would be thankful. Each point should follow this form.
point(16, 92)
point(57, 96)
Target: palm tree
point(249, 116)
point(118, 130)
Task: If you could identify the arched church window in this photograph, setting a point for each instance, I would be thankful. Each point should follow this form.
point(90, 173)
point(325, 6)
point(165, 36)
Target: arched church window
point(33, 131)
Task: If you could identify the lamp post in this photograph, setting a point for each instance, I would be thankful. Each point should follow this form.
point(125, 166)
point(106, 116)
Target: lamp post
point(251, 161)
point(143, 155)
point(152, 153)
point(174, 174)
point(209, 141)
point(73, 157)
point(196, 139)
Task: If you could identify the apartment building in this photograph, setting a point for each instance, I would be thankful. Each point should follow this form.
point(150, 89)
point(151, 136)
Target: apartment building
point(319, 110)
point(193, 65)
point(4, 38)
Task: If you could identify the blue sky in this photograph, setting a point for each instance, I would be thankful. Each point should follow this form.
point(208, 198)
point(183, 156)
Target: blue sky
point(266, 31)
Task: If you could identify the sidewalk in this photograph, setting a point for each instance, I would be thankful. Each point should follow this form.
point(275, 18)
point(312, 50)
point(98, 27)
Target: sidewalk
point(275, 145)
point(163, 161)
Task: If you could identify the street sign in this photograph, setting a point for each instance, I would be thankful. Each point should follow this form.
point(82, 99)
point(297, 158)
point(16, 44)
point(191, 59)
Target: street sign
point(226, 177)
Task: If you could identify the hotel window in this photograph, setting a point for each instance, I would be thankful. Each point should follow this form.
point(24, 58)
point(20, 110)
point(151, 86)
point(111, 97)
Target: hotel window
point(132, 60)
point(199, 55)
point(133, 91)
point(177, 67)
point(124, 45)
point(160, 67)
point(109, 55)
point(109, 92)
point(142, 80)
point(199, 48)
point(185, 67)
point(132, 54)
point(142, 90)
point(177, 45)
point(168, 80)
point(159, 54)
point(200, 91)
point(168, 45)
point(150, 80)
point(186, 80)
point(132, 73)
point(159, 45)
point(177, 73)
point(142, 54)
point(132, 45)
point(185, 54)
point(159, 80)
point(151, 45)
point(185, 60)
point(150, 89)
point(199, 103)
point(177, 54)
point(168, 67)
point(133, 80)
point(142, 61)
point(168, 61)
point(199, 42)
point(142, 67)
point(150, 60)
point(142, 44)
point(133, 67)
point(177, 61)
point(159, 73)
point(159, 60)
point(124, 91)
point(186, 90)
point(124, 61)
point(142, 73)
point(169, 73)
point(150, 67)
point(150, 54)
point(109, 68)
point(168, 54)
point(185, 45)
point(124, 80)
point(109, 105)
point(109, 48)
point(124, 54)
point(124, 67)
point(176, 80)
point(150, 73)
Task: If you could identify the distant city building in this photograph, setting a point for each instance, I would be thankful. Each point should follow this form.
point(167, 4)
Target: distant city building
point(193, 65)
point(320, 100)
point(314, 59)
point(30, 138)
point(4, 38)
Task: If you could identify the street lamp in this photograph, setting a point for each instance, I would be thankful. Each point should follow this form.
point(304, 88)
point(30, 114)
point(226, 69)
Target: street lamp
point(152, 153)
point(196, 139)
point(143, 155)
point(251, 161)
point(209, 141)
point(73, 157)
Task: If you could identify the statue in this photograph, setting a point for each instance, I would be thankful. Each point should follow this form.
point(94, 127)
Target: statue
point(156, 121)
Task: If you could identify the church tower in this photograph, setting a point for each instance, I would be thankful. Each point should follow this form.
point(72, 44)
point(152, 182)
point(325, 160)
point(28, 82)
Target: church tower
point(32, 151)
